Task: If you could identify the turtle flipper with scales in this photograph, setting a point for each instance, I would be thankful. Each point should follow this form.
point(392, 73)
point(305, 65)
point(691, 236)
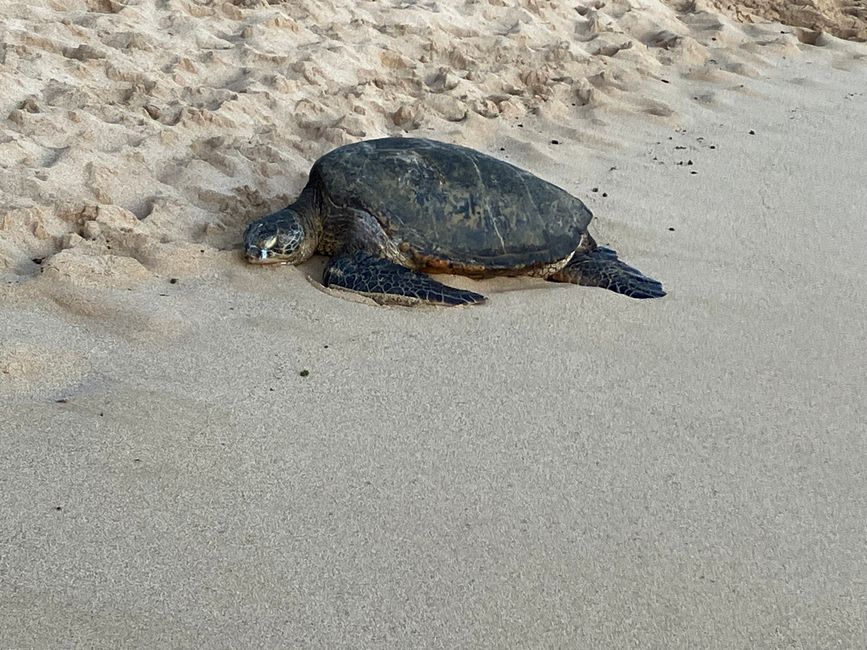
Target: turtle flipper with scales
point(392, 210)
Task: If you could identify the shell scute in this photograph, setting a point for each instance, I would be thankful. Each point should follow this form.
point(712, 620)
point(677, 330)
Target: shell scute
point(450, 205)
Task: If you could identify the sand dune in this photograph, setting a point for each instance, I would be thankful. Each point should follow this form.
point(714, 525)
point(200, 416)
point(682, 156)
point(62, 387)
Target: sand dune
point(134, 131)
point(843, 18)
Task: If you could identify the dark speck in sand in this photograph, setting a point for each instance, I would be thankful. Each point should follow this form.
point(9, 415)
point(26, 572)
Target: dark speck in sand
point(173, 281)
point(671, 229)
point(752, 132)
point(304, 373)
point(555, 142)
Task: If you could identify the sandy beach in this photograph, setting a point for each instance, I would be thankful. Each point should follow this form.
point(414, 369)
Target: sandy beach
point(196, 452)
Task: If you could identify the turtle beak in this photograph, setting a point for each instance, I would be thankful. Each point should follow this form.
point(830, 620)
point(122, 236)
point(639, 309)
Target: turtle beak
point(256, 255)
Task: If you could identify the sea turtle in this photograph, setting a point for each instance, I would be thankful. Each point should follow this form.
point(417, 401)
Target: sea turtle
point(389, 210)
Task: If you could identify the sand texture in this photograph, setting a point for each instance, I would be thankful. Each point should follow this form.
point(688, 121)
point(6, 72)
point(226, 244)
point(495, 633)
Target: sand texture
point(197, 452)
point(843, 18)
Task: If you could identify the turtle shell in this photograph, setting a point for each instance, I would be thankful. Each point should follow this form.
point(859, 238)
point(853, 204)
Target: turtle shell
point(439, 201)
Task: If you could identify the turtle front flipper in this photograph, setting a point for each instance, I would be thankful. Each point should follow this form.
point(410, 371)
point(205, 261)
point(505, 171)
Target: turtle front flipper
point(387, 282)
point(601, 268)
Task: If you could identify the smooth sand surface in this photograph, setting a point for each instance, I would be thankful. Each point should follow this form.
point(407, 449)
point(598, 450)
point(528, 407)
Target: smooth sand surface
point(561, 467)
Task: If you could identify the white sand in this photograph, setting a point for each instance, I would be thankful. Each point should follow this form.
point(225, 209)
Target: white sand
point(561, 467)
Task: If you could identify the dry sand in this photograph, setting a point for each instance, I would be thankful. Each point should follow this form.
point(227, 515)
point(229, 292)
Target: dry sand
point(561, 467)
point(843, 18)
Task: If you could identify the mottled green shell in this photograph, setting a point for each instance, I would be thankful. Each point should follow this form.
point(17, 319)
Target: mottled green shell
point(453, 203)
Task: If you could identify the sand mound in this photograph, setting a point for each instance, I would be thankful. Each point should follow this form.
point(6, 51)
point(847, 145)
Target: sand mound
point(843, 18)
point(156, 133)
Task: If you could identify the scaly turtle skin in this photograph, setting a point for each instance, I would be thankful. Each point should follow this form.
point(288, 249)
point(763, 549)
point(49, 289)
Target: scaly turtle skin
point(390, 210)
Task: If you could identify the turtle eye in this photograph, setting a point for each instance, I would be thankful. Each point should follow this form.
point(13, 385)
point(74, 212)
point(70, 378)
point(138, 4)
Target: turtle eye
point(267, 244)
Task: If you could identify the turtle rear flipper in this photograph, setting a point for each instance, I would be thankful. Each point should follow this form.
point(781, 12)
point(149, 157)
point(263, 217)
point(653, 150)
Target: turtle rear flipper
point(385, 281)
point(601, 268)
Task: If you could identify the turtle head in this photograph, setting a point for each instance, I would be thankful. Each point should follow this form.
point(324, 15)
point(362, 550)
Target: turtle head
point(279, 238)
